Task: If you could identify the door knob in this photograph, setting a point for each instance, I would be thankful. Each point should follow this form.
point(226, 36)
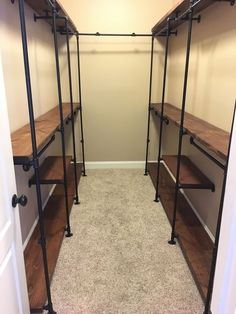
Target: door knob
point(22, 200)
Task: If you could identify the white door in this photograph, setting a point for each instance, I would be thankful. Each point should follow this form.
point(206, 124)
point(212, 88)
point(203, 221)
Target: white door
point(13, 290)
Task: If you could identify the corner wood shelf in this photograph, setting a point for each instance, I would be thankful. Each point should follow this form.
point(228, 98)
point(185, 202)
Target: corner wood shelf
point(213, 138)
point(54, 223)
point(194, 241)
point(41, 6)
point(51, 170)
point(190, 176)
point(181, 7)
point(46, 126)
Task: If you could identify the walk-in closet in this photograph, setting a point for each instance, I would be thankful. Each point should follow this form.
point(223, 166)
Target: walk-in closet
point(118, 157)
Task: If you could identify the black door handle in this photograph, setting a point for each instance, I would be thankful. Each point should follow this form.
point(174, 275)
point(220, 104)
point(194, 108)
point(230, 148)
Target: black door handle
point(22, 200)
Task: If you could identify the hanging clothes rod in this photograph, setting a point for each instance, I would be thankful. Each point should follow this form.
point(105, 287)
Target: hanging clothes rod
point(115, 35)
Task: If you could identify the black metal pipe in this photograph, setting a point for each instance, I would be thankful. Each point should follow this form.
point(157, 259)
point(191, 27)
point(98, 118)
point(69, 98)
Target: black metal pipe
point(218, 227)
point(180, 16)
point(35, 157)
point(52, 139)
point(68, 228)
point(80, 101)
point(149, 108)
point(72, 114)
point(165, 119)
point(217, 162)
point(157, 196)
point(181, 128)
point(115, 35)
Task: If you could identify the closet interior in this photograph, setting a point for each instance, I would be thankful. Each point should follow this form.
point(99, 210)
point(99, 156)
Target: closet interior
point(171, 174)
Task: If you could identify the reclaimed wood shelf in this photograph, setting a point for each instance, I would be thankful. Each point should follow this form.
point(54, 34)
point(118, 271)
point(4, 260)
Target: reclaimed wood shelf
point(212, 137)
point(46, 126)
point(194, 241)
point(179, 8)
point(190, 176)
point(41, 6)
point(54, 217)
point(51, 170)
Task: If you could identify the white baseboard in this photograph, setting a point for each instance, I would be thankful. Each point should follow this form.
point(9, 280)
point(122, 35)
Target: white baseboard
point(37, 218)
point(115, 165)
point(192, 206)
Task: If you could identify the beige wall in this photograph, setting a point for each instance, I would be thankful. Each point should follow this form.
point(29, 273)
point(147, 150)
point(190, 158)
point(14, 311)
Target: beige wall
point(115, 75)
point(43, 75)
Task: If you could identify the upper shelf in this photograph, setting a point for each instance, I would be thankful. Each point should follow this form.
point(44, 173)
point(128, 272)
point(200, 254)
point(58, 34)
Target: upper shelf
point(45, 127)
point(215, 139)
point(41, 6)
point(180, 8)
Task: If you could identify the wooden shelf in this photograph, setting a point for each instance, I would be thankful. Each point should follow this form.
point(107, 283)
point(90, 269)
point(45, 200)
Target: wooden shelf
point(46, 126)
point(190, 176)
point(177, 10)
point(195, 243)
point(54, 218)
point(39, 6)
point(213, 138)
point(59, 190)
point(51, 170)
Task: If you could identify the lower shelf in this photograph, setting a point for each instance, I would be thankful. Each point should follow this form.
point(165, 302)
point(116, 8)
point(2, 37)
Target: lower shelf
point(54, 218)
point(195, 243)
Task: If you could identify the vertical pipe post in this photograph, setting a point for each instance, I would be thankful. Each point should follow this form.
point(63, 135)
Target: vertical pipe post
point(35, 155)
point(149, 107)
point(157, 196)
point(72, 113)
point(181, 128)
point(218, 227)
point(80, 101)
point(54, 14)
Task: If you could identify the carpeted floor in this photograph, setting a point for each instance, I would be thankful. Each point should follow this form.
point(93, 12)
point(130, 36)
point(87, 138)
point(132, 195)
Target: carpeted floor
point(118, 260)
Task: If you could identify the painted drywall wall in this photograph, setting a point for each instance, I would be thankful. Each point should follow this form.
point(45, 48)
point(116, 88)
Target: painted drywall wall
point(115, 75)
point(44, 88)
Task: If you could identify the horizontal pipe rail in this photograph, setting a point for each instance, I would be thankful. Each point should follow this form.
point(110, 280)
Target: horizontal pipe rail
point(115, 34)
point(217, 162)
point(186, 12)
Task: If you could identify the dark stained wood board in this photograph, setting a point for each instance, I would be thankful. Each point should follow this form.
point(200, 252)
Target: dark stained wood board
point(39, 6)
point(179, 8)
point(194, 241)
point(51, 170)
point(212, 137)
point(59, 190)
point(54, 222)
point(46, 125)
point(189, 174)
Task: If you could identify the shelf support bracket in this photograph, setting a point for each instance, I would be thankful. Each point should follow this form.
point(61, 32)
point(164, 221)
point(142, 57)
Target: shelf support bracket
point(54, 14)
point(81, 105)
point(181, 128)
point(162, 118)
point(34, 148)
point(149, 107)
point(217, 162)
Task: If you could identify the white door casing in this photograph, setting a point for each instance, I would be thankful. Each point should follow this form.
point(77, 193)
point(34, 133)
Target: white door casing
point(13, 288)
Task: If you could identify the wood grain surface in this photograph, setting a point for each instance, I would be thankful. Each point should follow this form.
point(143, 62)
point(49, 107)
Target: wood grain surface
point(190, 175)
point(179, 8)
point(212, 137)
point(54, 219)
point(195, 243)
point(46, 125)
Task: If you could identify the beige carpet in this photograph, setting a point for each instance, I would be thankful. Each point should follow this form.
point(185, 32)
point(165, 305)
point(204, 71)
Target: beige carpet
point(118, 260)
